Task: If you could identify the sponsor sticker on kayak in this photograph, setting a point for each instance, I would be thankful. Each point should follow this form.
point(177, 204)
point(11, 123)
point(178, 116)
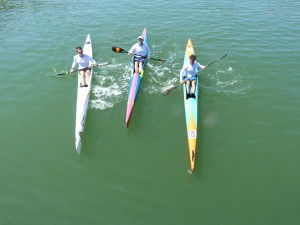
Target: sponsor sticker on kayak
point(192, 134)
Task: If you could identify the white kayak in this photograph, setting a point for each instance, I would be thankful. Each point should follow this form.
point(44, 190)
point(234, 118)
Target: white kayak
point(83, 95)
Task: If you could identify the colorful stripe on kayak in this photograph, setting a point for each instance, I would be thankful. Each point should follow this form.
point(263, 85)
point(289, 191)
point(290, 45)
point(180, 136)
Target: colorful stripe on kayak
point(191, 112)
point(134, 85)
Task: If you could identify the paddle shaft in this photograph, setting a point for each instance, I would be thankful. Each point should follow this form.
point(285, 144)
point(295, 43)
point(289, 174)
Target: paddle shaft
point(146, 57)
point(121, 50)
point(214, 61)
point(98, 64)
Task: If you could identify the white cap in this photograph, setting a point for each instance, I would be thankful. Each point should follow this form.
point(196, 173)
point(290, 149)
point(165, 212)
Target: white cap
point(141, 37)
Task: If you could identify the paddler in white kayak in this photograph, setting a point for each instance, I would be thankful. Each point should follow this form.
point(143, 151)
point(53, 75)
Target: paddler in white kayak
point(142, 52)
point(85, 64)
point(189, 74)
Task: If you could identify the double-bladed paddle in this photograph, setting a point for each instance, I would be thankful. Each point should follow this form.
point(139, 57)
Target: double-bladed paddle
point(68, 72)
point(169, 90)
point(121, 50)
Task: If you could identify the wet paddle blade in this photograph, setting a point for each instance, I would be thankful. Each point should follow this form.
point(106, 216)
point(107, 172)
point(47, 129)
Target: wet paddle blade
point(64, 73)
point(168, 91)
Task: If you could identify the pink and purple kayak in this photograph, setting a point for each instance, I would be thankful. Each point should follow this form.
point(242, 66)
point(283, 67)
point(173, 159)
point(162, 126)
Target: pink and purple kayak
point(135, 82)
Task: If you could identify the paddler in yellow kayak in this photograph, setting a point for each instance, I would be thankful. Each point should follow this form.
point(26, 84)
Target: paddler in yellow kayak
point(189, 74)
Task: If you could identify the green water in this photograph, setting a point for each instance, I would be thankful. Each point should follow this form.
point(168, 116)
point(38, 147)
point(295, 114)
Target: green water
point(247, 169)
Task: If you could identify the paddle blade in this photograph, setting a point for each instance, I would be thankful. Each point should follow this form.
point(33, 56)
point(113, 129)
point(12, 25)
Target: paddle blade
point(65, 73)
point(61, 74)
point(103, 64)
point(117, 49)
point(168, 91)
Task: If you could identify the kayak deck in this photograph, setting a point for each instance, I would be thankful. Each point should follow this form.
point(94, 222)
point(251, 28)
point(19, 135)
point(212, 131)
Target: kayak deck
point(83, 94)
point(134, 85)
point(191, 112)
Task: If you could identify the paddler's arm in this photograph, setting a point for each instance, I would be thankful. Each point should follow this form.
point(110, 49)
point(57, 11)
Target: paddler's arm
point(202, 67)
point(183, 75)
point(130, 52)
point(93, 63)
point(73, 65)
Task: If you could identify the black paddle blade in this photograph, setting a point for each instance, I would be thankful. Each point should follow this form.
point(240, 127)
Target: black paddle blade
point(117, 49)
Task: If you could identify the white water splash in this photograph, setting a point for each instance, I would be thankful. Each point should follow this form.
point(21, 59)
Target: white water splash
point(110, 87)
point(112, 81)
point(227, 81)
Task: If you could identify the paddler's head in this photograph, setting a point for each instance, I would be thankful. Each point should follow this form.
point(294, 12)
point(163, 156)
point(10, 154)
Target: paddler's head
point(141, 40)
point(79, 51)
point(192, 58)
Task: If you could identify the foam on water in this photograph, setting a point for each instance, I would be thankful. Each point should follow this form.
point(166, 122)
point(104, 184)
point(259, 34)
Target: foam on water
point(112, 81)
point(109, 87)
point(227, 81)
